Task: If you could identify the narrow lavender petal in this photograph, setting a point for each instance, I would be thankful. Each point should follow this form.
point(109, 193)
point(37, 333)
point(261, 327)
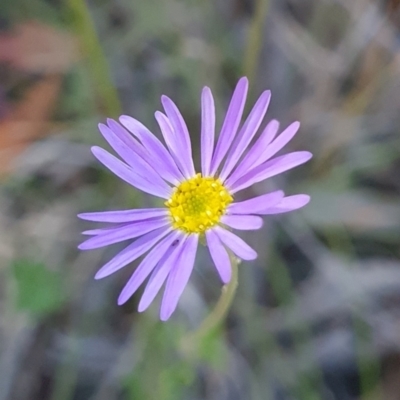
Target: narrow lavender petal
point(159, 275)
point(132, 252)
point(124, 135)
point(168, 132)
point(246, 134)
point(159, 155)
point(235, 243)
point(281, 141)
point(92, 232)
point(256, 151)
point(146, 267)
point(231, 123)
point(284, 138)
point(207, 130)
point(269, 169)
point(111, 236)
point(124, 215)
point(101, 231)
point(256, 205)
point(242, 222)
point(163, 164)
point(127, 174)
point(131, 156)
point(179, 277)
point(129, 140)
point(177, 120)
point(174, 143)
point(220, 256)
point(289, 203)
point(127, 153)
point(180, 130)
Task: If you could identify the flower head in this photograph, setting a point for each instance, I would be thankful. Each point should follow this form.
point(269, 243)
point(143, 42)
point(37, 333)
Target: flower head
point(196, 204)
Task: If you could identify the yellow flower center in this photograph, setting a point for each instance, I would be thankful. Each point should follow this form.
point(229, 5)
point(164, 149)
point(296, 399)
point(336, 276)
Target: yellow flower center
point(198, 203)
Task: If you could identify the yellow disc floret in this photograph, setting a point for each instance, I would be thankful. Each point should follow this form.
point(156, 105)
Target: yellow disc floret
point(198, 203)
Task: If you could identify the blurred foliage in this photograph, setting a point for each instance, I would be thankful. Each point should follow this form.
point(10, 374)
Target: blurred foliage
point(39, 290)
point(161, 344)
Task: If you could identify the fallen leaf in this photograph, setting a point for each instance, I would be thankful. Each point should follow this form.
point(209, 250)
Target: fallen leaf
point(28, 120)
point(38, 48)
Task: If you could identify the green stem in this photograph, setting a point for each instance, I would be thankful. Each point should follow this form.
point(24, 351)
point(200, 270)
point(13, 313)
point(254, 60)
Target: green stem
point(368, 363)
point(307, 387)
point(191, 342)
point(66, 375)
point(254, 41)
point(84, 27)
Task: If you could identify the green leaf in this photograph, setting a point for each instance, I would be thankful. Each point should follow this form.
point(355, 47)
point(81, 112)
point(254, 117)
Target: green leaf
point(212, 350)
point(174, 379)
point(39, 290)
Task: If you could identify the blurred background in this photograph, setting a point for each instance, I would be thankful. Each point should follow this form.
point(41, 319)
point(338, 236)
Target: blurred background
point(317, 315)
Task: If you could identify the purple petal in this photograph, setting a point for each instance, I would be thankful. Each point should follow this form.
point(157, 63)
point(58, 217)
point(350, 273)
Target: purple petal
point(162, 163)
point(146, 267)
point(174, 143)
point(127, 153)
point(159, 155)
point(127, 174)
point(159, 275)
point(269, 169)
point(242, 222)
point(181, 131)
point(285, 137)
point(129, 140)
point(115, 235)
point(256, 151)
point(92, 232)
point(256, 205)
point(237, 245)
point(246, 134)
point(133, 143)
point(289, 203)
point(131, 156)
point(231, 123)
point(132, 252)
point(207, 130)
point(179, 277)
point(139, 214)
point(100, 231)
point(220, 256)
point(281, 141)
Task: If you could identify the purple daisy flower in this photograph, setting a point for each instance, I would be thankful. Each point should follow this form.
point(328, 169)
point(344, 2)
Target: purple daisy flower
point(196, 204)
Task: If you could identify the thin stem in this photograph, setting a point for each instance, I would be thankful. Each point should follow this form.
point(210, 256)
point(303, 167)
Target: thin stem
point(67, 372)
point(368, 363)
point(254, 41)
point(191, 342)
point(307, 387)
point(84, 27)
